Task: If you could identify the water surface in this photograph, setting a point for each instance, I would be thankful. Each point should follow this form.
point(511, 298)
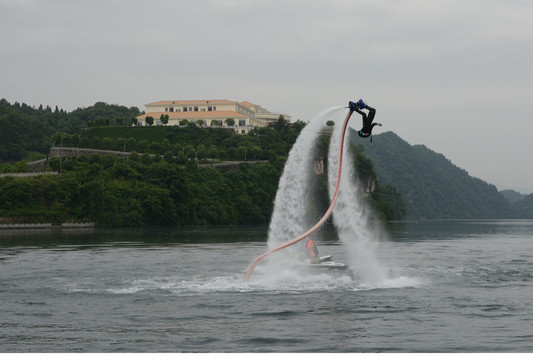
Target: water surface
point(452, 286)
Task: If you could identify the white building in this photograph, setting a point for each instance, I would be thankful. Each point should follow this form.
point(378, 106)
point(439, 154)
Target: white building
point(209, 113)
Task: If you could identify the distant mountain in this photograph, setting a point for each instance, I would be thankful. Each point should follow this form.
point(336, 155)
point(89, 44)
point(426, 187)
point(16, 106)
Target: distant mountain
point(431, 186)
point(524, 207)
point(512, 196)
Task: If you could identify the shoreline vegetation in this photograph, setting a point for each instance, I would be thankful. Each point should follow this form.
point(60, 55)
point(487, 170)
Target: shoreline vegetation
point(111, 191)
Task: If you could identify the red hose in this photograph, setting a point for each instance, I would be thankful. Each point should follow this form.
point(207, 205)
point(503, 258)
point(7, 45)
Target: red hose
point(324, 217)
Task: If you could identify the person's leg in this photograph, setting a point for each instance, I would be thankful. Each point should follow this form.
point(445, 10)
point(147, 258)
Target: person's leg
point(371, 114)
point(363, 115)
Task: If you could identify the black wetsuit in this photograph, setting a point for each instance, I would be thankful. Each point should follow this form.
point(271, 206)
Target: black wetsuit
point(366, 131)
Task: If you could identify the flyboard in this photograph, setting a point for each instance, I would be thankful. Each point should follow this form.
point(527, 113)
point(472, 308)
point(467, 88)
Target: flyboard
point(326, 214)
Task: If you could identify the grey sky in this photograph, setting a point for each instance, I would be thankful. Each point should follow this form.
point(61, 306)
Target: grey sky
point(456, 76)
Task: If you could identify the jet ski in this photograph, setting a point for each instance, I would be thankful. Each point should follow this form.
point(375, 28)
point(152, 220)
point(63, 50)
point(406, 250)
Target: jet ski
point(326, 263)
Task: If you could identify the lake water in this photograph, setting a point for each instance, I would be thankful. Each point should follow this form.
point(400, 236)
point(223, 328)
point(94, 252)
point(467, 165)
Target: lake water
point(453, 286)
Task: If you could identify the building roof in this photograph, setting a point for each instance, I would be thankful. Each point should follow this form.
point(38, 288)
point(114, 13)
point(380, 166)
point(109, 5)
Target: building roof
point(194, 115)
point(192, 102)
point(247, 103)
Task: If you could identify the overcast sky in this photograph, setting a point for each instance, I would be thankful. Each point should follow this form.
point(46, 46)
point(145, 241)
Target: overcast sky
point(456, 76)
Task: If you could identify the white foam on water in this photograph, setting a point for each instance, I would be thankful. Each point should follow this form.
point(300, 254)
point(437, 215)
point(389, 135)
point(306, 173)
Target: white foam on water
point(288, 280)
point(284, 281)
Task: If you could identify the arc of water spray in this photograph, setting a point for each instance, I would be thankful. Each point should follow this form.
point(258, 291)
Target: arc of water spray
point(324, 217)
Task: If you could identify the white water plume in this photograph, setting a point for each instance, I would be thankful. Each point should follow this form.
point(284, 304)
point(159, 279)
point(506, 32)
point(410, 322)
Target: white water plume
point(350, 217)
point(289, 218)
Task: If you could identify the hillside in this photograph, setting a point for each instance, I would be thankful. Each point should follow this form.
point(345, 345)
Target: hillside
point(158, 191)
point(27, 130)
point(512, 196)
point(431, 186)
point(524, 207)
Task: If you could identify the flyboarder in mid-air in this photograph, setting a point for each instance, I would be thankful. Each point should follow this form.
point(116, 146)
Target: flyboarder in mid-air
point(368, 125)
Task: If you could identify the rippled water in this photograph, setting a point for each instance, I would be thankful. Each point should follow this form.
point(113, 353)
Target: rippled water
point(453, 286)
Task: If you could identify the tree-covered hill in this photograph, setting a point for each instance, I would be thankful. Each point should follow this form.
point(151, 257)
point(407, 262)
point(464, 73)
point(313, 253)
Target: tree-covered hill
point(141, 191)
point(431, 186)
point(26, 129)
point(157, 191)
point(512, 196)
point(524, 207)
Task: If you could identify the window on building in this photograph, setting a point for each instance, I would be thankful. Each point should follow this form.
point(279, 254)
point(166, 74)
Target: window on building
point(243, 132)
point(190, 108)
point(209, 108)
point(196, 108)
point(242, 122)
point(185, 108)
point(214, 108)
point(166, 109)
point(171, 109)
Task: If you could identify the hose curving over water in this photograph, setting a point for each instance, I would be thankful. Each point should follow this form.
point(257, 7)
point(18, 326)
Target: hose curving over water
point(324, 217)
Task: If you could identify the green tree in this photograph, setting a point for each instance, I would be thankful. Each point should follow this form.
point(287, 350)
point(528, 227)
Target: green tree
point(95, 143)
point(202, 152)
point(56, 139)
point(212, 152)
point(232, 153)
point(181, 158)
point(75, 140)
point(168, 157)
point(108, 143)
point(241, 152)
point(281, 124)
point(190, 151)
point(143, 146)
point(165, 146)
point(20, 167)
point(146, 159)
point(155, 147)
point(130, 143)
